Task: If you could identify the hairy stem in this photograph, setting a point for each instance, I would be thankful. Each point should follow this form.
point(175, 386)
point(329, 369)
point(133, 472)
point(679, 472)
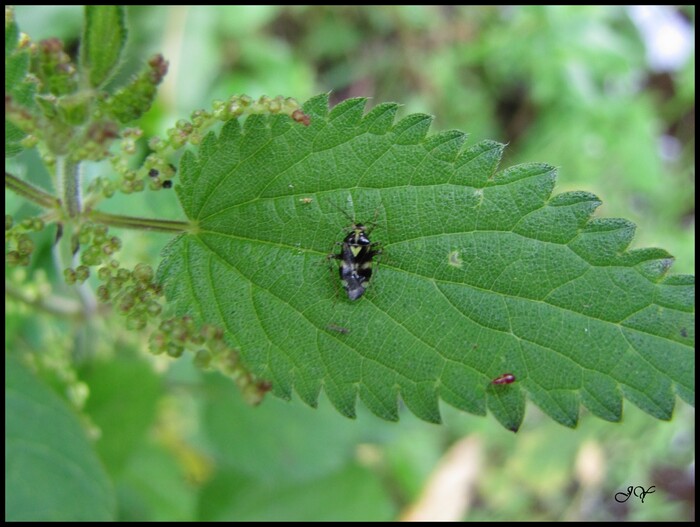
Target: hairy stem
point(68, 175)
point(30, 192)
point(51, 304)
point(129, 222)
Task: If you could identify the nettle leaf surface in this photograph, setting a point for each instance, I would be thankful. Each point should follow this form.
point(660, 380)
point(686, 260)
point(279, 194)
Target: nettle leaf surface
point(17, 86)
point(482, 273)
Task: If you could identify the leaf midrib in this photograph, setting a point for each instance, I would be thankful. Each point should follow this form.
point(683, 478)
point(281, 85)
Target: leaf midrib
point(298, 249)
point(460, 313)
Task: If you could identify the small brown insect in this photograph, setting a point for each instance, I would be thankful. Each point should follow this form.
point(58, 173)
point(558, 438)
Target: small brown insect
point(506, 378)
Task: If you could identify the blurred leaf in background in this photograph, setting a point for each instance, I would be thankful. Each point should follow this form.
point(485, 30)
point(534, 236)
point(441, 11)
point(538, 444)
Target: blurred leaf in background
point(583, 88)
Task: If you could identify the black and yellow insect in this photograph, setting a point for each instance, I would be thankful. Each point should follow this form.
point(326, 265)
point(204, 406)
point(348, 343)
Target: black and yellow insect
point(356, 255)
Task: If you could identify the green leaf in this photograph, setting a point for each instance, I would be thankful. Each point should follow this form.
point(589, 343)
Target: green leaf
point(13, 138)
point(507, 404)
point(104, 36)
point(123, 396)
point(11, 32)
point(51, 471)
point(17, 86)
point(354, 493)
point(482, 273)
point(245, 438)
point(152, 487)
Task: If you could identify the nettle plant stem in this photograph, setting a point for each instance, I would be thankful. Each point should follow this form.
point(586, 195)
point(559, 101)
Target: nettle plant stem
point(71, 110)
point(30, 192)
point(72, 193)
point(130, 222)
point(68, 180)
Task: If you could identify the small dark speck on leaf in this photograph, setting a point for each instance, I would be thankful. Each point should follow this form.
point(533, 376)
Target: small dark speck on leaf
point(339, 329)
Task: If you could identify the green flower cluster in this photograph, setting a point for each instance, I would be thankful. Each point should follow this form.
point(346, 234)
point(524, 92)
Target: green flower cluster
point(133, 293)
point(66, 118)
point(19, 245)
point(135, 99)
point(180, 334)
point(156, 172)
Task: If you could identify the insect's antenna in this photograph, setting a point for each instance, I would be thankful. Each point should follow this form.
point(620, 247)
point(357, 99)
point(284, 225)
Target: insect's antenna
point(351, 220)
point(351, 203)
point(374, 220)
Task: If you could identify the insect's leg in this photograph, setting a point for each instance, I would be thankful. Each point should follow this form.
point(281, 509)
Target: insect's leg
point(334, 256)
point(375, 252)
point(332, 268)
point(330, 263)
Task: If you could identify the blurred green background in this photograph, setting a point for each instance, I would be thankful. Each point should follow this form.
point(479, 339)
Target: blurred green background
point(607, 94)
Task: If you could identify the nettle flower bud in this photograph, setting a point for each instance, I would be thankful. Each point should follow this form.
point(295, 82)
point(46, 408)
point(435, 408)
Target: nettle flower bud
point(54, 69)
point(135, 99)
